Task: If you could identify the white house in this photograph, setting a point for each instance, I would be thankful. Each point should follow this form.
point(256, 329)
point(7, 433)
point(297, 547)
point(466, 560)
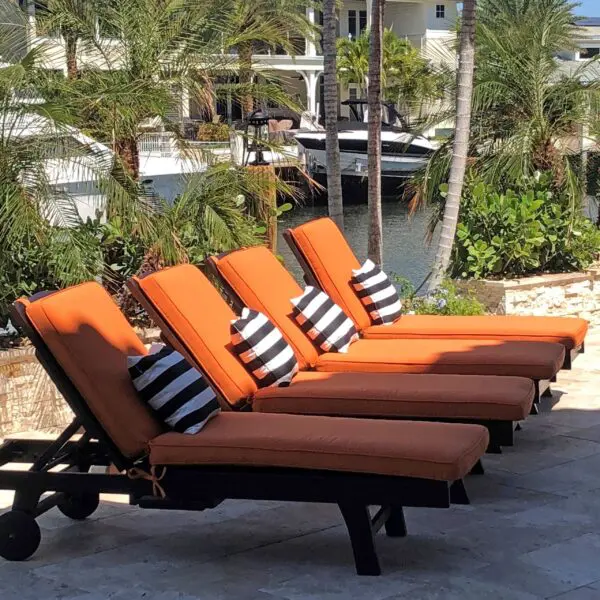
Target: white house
point(428, 24)
point(587, 40)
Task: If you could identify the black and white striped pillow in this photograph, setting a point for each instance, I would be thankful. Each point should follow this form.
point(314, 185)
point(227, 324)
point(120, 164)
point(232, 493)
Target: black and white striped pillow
point(262, 349)
point(325, 323)
point(176, 391)
point(377, 293)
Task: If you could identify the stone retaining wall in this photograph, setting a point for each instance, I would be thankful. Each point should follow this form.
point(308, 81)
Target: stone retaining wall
point(560, 295)
point(29, 401)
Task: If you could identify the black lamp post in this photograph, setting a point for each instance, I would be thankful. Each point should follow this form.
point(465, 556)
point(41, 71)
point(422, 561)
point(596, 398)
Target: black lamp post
point(259, 121)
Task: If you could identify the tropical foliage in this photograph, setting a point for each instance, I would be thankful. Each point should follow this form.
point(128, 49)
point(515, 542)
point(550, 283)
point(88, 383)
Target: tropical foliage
point(528, 114)
point(444, 300)
point(526, 108)
point(408, 79)
point(48, 125)
point(260, 27)
point(529, 228)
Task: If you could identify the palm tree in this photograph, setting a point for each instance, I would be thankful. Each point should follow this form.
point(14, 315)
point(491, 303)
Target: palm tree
point(527, 107)
point(375, 232)
point(274, 25)
point(75, 20)
point(353, 61)
point(460, 146)
point(331, 104)
point(407, 78)
point(158, 50)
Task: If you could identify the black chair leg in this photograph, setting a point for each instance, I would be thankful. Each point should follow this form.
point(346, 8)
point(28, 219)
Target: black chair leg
point(395, 526)
point(478, 469)
point(458, 493)
point(358, 523)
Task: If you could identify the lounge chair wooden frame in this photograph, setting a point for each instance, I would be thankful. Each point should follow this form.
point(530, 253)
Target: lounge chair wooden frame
point(501, 432)
point(311, 279)
point(75, 490)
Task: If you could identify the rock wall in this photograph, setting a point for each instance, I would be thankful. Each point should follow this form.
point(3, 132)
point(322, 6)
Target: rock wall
point(29, 401)
point(560, 295)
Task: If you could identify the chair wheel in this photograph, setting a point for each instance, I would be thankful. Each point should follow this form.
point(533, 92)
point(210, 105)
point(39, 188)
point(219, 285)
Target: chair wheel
point(78, 506)
point(19, 535)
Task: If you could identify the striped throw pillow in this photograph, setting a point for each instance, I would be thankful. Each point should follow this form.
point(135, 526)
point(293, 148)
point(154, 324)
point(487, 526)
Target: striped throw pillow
point(263, 351)
point(377, 293)
point(177, 392)
point(325, 323)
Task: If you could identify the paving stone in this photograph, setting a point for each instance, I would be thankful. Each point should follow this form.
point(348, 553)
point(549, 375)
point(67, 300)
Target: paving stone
point(531, 531)
point(576, 559)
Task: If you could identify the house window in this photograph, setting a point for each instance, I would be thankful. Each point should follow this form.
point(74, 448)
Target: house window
point(352, 23)
point(352, 93)
point(362, 20)
point(589, 52)
point(440, 11)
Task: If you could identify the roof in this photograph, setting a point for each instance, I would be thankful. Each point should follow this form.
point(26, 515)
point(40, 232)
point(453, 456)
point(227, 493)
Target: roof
point(589, 22)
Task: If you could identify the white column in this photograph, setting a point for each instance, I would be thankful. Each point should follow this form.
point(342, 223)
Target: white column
point(185, 103)
point(369, 7)
point(311, 49)
point(311, 92)
point(31, 25)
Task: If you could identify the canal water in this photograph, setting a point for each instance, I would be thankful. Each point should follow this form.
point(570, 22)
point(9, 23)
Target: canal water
point(406, 252)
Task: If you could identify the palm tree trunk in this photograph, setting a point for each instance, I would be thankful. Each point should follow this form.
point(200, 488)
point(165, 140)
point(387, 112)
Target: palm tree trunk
point(331, 103)
point(71, 55)
point(245, 71)
point(460, 148)
point(127, 150)
point(375, 247)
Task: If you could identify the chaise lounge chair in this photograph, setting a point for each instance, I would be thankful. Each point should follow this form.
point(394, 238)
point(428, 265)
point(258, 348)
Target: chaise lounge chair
point(195, 320)
point(83, 341)
point(255, 278)
point(328, 261)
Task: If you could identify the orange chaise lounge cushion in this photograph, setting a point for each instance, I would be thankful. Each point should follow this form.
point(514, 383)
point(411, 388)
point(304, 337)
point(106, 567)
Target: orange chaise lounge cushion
point(393, 395)
point(331, 261)
point(200, 328)
point(197, 322)
point(262, 283)
point(439, 451)
point(91, 339)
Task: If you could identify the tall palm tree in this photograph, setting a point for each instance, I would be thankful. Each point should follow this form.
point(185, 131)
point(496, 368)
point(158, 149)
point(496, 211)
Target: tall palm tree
point(460, 146)
point(331, 104)
point(375, 231)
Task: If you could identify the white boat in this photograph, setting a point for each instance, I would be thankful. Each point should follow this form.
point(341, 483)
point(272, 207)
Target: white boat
point(402, 153)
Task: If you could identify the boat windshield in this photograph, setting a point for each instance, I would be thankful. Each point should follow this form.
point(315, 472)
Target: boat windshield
point(359, 112)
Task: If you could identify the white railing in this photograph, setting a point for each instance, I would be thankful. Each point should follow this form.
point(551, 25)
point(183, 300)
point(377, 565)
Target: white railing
point(157, 143)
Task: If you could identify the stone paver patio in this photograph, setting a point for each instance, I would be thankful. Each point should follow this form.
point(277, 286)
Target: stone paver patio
point(531, 532)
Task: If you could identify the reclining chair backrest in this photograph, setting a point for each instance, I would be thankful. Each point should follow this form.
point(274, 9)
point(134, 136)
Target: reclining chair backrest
point(322, 248)
point(196, 321)
point(90, 340)
point(262, 283)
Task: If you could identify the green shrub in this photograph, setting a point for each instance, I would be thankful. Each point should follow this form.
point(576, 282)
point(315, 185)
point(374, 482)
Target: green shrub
point(522, 231)
point(28, 266)
point(444, 301)
point(213, 132)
